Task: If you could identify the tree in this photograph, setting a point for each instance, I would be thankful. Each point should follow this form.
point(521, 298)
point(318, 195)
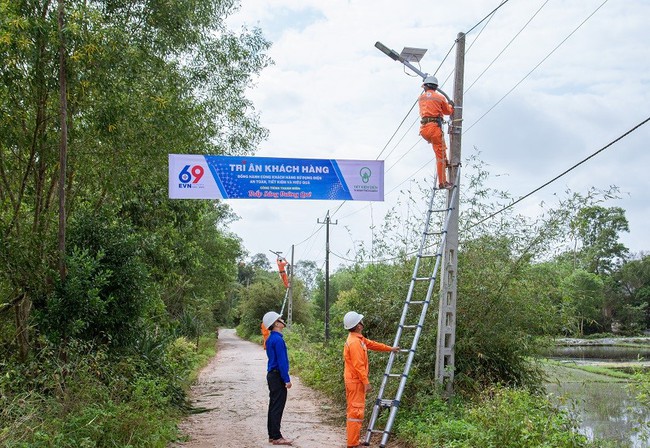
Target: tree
point(630, 289)
point(261, 262)
point(584, 294)
point(142, 80)
point(597, 229)
point(307, 271)
point(265, 295)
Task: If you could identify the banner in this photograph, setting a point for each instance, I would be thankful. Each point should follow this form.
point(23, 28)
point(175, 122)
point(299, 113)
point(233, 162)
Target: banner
point(229, 177)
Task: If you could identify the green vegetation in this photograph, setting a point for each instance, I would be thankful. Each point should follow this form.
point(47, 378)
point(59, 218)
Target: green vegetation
point(613, 374)
point(97, 398)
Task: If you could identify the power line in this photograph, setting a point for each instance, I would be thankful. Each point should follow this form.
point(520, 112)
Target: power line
point(513, 203)
point(306, 239)
point(396, 130)
point(486, 17)
point(507, 45)
point(535, 68)
point(562, 174)
point(404, 155)
point(405, 133)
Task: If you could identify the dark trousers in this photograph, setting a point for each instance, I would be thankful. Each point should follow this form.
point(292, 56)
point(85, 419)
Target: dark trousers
point(277, 400)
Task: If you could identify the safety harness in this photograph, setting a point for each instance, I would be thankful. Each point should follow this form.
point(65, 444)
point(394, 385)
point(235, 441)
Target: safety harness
point(426, 120)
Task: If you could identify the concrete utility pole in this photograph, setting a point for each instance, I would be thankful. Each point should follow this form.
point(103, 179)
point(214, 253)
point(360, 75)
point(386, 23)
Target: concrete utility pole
point(290, 306)
point(445, 357)
point(446, 341)
point(327, 223)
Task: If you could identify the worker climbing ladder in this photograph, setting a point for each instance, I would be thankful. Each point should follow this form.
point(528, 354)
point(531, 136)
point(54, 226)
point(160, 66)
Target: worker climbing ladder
point(414, 306)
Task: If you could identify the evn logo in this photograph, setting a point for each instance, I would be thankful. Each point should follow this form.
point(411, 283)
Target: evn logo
point(191, 174)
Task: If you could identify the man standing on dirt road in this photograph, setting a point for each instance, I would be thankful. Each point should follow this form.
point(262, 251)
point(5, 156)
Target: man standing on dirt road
point(277, 376)
point(355, 356)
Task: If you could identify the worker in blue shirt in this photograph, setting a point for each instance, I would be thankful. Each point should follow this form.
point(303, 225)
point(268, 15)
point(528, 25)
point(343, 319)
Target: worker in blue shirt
point(277, 376)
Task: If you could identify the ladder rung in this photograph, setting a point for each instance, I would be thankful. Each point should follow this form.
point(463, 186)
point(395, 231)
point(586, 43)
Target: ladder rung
point(421, 279)
point(395, 375)
point(417, 302)
point(432, 233)
point(427, 255)
point(411, 326)
point(438, 210)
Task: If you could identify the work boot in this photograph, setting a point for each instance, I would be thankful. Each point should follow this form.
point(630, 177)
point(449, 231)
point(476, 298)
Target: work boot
point(446, 186)
point(281, 441)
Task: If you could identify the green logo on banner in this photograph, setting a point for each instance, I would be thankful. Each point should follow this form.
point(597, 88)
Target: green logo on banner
point(365, 174)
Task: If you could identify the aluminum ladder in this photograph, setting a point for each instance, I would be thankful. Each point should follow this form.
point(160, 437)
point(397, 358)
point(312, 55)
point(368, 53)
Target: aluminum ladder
point(393, 403)
point(284, 302)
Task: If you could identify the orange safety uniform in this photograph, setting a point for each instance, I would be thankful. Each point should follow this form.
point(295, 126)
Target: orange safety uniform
point(265, 334)
point(355, 374)
point(433, 106)
point(282, 263)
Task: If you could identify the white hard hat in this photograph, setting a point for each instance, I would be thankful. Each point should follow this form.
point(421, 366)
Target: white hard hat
point(270, 318)
point(351, 319)
point(430, 80)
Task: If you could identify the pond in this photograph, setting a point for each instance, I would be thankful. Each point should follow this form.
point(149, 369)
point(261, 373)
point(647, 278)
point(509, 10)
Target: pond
point(605, 406)
point(600, 353)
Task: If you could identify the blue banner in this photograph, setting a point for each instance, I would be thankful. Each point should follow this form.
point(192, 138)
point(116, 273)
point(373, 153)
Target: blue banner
point(231, 177)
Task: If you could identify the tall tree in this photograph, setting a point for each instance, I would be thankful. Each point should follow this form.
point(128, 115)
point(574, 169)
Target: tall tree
point(598, 231)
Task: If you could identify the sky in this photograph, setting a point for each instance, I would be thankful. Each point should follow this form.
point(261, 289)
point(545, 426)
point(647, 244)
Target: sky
point(547, 84)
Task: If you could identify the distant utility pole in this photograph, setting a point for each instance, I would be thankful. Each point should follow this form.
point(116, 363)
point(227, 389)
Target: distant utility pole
point(327, 223)
point(446, 341)
point(290, 306)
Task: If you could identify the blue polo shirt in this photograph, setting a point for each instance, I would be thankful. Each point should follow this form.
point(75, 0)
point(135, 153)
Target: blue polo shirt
point(276, 351)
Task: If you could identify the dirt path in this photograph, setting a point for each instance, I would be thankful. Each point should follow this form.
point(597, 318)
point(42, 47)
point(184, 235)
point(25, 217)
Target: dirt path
point(232, 389)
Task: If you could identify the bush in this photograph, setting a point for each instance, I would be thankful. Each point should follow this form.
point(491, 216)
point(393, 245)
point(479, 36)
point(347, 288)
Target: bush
point(82, 395)
point(501, 417)
point(103, 296)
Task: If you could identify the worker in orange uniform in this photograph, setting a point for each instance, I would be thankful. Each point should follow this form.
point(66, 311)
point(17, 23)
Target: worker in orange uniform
point(355, 374)
point(433, 106)
point(282, 263)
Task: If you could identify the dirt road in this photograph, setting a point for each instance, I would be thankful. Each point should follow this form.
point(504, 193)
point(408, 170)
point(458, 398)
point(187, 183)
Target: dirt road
point(232, 389)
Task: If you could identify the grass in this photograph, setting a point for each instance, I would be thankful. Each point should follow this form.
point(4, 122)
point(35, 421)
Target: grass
point(571, 372)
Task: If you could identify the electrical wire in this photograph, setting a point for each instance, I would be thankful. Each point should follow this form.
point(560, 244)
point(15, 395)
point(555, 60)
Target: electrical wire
point(485, 18)
point(518, 200)
point(506, 47)
point(535, 68)
point(306, 239)
point(396, 130)
point(561, 174)
point(403, 155)
point(405, 133)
